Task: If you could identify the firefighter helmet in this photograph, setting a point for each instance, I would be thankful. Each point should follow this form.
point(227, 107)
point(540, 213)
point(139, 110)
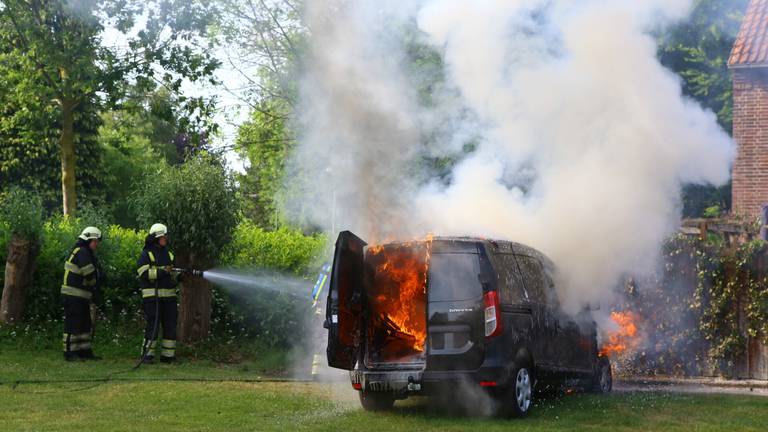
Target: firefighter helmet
point(158, 230)
point(91, 233)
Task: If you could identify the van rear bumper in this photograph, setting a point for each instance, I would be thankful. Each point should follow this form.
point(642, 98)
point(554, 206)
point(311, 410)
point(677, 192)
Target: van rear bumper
point(425, 382)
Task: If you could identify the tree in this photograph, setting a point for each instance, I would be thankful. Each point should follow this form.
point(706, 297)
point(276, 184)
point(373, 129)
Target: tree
point(265, 141)
point(198, 203)
point(22, 213)
point(29, 156)
point(138, 139)
point(67, 62)
point(265, 40)
point(697, 49)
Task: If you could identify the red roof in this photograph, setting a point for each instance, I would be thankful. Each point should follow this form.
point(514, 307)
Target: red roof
point(751, 47)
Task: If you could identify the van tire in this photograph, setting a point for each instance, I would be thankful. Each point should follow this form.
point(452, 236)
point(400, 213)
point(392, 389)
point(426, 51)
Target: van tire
point(374, 401)
point(517, 399)
point(603, 380)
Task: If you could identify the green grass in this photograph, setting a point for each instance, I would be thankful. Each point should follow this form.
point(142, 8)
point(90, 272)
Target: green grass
point(164, 406)
point(156, 398)
point(47, 365)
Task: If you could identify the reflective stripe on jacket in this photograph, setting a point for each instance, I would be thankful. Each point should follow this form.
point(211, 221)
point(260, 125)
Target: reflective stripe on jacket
point(80, 274)
point(152, 273)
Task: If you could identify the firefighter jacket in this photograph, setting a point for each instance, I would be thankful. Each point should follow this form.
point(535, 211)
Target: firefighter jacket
point(153, 274)
point(81, 273)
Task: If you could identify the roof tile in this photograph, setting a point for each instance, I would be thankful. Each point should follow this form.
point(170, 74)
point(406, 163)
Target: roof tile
point(751, 47)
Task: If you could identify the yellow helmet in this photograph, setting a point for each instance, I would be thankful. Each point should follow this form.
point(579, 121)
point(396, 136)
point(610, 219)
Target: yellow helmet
point(91, 233)
point(158, 230)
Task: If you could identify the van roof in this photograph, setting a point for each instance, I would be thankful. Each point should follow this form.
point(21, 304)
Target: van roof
point(498, 246)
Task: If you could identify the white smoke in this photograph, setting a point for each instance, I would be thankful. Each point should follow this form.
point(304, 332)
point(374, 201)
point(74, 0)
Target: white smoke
point(357, 115)
point(584, 138)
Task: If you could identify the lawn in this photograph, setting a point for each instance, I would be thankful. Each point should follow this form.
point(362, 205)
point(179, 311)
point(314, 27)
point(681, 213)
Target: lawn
point(160, 398)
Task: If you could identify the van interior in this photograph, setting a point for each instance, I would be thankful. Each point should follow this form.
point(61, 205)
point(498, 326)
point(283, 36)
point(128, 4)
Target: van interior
point(396, 288)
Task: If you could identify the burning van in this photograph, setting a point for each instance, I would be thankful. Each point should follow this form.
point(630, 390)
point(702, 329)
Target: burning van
point(441, 314)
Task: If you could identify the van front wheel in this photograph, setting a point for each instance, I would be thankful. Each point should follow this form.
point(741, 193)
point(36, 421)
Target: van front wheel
point(373, 401)
point(603, 381)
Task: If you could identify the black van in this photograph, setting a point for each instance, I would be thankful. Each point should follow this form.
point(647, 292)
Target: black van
point(434, 316)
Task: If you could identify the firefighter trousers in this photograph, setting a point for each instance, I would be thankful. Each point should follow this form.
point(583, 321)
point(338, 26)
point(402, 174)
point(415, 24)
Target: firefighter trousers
point(160, 317)
point(77, 325)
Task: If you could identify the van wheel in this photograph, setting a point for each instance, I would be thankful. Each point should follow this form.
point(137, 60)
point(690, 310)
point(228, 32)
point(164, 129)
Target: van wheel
point(518, 398)
point(603, 381)
point(373, 401)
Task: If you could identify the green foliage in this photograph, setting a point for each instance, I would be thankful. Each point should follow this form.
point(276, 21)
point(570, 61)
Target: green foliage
point(697, 49)
point(29, 135)
point(729, 278)
point(138, 139)
point(271, 320)
point(712, 212)
point(274, 319)
point(198, 203)
point(57, 70)
point(22, 213)
point(698, 310)
point(266, 142)
point(283, 249)
point(269, 38)
point(117, 255)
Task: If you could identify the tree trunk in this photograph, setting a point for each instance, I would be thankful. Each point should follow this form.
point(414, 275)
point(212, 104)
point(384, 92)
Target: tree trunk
point(67, 143)
point(194, 309)
point(19, 267)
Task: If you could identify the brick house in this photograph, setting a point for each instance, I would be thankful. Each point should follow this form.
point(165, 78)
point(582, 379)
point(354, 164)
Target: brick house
point(749, 67)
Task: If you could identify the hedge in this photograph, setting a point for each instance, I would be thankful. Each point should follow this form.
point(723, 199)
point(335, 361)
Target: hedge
point(283, 249)
point(260, 316)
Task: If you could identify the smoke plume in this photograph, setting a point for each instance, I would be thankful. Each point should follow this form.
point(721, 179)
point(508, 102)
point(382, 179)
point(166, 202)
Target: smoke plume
point(581, 138)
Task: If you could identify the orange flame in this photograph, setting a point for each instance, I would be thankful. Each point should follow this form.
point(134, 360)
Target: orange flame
point(401, 280)
point(624, 338)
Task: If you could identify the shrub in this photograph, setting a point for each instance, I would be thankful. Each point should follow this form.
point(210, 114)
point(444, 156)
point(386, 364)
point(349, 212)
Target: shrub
point(273, 318)
point(117, 255)
point(22, 213)
point(198, 203)
point(283, 249)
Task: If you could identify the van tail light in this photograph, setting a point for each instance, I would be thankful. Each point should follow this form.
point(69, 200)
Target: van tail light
point(357, 386)
point(493, 325)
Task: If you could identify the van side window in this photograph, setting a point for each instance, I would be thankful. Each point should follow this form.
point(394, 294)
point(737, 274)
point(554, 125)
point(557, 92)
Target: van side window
point(511, 286)
point(533, 277)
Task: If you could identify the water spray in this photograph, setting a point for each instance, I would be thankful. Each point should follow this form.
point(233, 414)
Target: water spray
point(259, 280)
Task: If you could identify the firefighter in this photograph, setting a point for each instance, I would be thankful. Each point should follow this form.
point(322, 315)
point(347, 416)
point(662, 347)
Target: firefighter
point(158, 291)
point(79, 290)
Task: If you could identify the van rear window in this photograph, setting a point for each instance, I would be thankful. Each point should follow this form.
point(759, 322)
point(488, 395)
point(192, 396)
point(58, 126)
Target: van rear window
point(454, 277)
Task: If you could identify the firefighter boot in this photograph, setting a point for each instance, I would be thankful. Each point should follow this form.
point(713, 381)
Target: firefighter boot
point(88, 355)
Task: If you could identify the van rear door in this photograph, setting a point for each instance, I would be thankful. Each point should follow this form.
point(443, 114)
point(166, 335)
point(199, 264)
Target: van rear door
point(455, 309)
point(343, 314)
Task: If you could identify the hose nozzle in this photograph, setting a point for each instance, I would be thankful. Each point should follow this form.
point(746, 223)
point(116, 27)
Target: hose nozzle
point(191, 272)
